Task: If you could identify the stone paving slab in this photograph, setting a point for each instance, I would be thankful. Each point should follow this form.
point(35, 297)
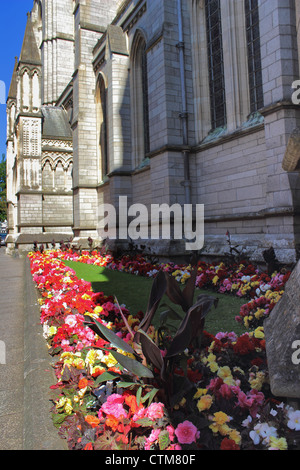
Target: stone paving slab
point(26, 376)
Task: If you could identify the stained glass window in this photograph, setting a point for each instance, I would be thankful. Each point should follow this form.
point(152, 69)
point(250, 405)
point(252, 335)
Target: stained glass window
point(254, 55)
point(215, 63)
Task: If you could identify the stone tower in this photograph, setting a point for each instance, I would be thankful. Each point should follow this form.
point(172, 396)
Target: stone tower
point(24, 137)
point(39, 137)
point(56, 19)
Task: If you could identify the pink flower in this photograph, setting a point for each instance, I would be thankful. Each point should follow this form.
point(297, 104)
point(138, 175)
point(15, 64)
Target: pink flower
point(186, 433)
point(114, 406)
point(152, 438)
point(171, 432)
point(139, 414)
point(155, 411)
point(225, 391)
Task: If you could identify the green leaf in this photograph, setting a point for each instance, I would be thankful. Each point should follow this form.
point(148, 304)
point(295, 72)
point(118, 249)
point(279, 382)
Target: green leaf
point(145, 422)
point(164, 440)
point(105, 377)
point(132, 365)
point(58, 419)
point(126, 384)
point(149, 396)
point(139, 395)
point(114, 339)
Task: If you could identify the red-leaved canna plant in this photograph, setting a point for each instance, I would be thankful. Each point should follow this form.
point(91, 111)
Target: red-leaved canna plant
point(146, 353)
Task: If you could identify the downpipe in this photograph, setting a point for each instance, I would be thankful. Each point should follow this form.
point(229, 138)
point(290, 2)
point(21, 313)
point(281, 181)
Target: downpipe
point(183, 114)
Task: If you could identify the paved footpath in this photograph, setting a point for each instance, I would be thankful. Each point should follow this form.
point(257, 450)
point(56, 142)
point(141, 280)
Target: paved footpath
point(25, 365)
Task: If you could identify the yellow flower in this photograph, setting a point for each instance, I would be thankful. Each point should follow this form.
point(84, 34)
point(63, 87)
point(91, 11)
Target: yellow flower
point(224, 430)
point(131, 320)
point(200, 392)
point(215, 280)
point(64, 405)
point(211, 358)
point(238, 369)
point(259, 313)
point(221, 418)
point(278, 443)
point(225, 374)
point(259, 332)
point(92, 356)
point(205, 403)
point(52, 331)
point(78, 363)
point(68, 406)
point(109, 360)
point(98, 309)
point(235, 436)
point(213, 366)
point(257, 380)
point(86, 297)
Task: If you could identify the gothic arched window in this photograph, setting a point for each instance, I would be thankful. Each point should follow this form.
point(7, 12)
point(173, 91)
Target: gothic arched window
point(140, 106)
point(254, 55)
point(102, 135)
point(215, 63)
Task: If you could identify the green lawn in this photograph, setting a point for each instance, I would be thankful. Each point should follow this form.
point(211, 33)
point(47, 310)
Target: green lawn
point(133, 291)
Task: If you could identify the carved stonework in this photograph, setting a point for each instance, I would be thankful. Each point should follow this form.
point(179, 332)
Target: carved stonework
point(59, 144)
point(32, 137)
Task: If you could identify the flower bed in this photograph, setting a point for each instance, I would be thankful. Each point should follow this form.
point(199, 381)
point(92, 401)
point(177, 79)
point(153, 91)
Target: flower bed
point(99, 405)
point(260, 290)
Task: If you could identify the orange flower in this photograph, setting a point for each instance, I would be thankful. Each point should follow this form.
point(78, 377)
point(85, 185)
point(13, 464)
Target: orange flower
point(82, 383)
point(112, 422)
point(130, 401)
point(92, 420)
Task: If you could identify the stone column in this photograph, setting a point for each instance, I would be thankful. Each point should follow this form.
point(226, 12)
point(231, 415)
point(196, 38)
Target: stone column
point(280, 67)
point(91, 20)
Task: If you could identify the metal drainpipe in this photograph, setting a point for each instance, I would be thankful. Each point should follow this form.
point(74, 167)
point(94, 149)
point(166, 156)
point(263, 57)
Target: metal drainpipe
point(184, 114)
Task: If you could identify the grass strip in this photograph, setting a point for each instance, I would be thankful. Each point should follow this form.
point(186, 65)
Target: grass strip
point(133, 291)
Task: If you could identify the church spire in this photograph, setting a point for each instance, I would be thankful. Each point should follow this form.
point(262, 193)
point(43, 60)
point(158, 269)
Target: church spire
point(30, 53)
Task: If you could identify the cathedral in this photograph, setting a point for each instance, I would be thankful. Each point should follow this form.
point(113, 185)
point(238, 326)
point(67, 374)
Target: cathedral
point(161, 101)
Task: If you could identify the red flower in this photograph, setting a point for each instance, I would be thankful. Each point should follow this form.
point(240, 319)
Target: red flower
point(229, 444)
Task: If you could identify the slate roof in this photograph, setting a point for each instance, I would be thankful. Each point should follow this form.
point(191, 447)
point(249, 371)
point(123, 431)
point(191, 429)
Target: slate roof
point(55, 123)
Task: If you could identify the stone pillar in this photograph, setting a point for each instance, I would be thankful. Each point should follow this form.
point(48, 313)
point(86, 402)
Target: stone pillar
point(280, 68)
point(91, 21)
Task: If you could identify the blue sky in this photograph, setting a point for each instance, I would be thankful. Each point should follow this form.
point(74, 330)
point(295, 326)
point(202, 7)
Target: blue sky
point(12, 27)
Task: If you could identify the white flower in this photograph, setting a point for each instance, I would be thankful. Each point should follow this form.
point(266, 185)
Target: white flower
point(267, 431)
point(255, 434)
point(294, 420)
point(262, 431)
point(247, 421)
